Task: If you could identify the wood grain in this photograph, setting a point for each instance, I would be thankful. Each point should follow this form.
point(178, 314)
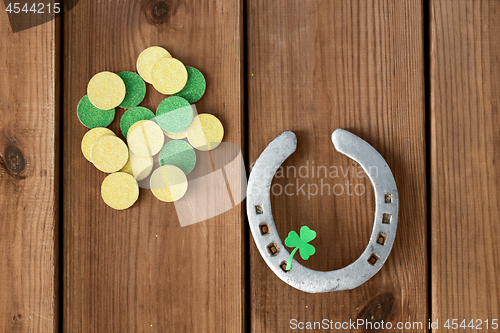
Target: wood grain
point(29, 125)
point(465, 97)
point(315, 66)
point(138, 270)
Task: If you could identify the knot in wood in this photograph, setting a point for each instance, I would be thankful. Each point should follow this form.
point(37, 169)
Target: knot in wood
point(14, 160)
point(160, 11)
point(378, 309)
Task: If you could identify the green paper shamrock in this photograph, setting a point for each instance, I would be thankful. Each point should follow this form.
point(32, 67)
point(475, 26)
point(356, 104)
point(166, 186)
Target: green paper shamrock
point(300, 243)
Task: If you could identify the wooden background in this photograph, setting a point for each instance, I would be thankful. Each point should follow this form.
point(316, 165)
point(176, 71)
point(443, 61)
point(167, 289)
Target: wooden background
point(419, 80)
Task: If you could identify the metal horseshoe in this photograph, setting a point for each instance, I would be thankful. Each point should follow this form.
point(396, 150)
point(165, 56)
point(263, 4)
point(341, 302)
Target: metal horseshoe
point(269, 242)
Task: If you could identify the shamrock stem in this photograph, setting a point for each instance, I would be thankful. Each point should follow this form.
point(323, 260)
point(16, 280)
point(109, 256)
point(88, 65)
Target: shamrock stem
point(289, 262)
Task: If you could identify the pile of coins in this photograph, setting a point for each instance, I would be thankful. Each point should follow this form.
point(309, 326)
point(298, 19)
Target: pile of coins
point(144, 131)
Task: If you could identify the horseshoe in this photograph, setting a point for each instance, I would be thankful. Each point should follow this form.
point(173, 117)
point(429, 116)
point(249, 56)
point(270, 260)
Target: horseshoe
point(266, 236)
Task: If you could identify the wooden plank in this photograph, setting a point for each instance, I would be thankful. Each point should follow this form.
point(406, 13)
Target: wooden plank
point(465, 97)
point(315, 66)
point(138, 270)
point(29, 159)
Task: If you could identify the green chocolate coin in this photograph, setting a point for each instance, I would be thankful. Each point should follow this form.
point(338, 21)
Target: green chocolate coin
point(195, 86)
point(178, 153)
point(92, 117)
point(174, 114)
point(135, 89)
point(133, 115)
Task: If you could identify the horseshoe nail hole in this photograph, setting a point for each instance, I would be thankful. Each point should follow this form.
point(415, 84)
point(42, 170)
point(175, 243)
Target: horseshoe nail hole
point(386, 218)
point(259, 209)
point(283, 266)
point(264, 229)
point(273, 249)
point(388, 198)
point(381, 238)
point(373, 259)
